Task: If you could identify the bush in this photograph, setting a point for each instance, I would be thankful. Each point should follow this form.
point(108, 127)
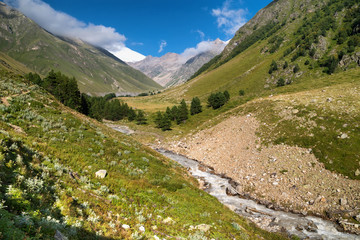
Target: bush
point(296, 68)
point(273, 67)
point(241, 92)
point(280, 82)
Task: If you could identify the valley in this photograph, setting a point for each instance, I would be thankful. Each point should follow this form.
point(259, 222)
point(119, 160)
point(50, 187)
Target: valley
point(257, 137)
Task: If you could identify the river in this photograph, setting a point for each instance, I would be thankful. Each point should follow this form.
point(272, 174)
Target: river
point(305, 227)
point(294, 224)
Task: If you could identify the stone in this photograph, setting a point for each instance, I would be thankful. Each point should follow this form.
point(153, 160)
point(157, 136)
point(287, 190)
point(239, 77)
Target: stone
point(343, 136)
point(59, 236)
point(357, 172)
point(231, 191)
point(329, 99)
point(101, 173)
point(343, 201)
point(168, 220)
point(295, 111)
point(125, 226)
point(203, 227)
point(357, 217)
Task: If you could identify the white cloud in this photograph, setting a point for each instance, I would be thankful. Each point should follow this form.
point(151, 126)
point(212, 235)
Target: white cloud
point(201, 33)
point(162, 45)
point(62, 24)
point(205, 46)
point(128, 55)
point(228, 19)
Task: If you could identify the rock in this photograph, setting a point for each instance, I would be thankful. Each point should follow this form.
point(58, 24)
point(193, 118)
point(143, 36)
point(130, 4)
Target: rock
point(125, 226)
point(59, 236)
point(231, 191)
point(343, 136)
point(203, 227)
point(101, 173)
point(357, 172)
point(329, 99)
point(311, 202)
point(239, 189)
point(311, 227)
point(168, 220)
point(295, 111)
point(357, 218)
point(343, 201)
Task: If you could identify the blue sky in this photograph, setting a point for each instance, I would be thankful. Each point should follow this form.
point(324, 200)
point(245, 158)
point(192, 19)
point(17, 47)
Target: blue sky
point(142, 25)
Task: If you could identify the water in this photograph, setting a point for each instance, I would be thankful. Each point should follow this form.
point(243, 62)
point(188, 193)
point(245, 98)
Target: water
point(271, 220)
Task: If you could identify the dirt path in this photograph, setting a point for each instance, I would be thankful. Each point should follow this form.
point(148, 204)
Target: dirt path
point(288, 176)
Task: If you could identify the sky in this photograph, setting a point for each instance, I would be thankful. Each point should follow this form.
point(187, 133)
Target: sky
point(132, 29)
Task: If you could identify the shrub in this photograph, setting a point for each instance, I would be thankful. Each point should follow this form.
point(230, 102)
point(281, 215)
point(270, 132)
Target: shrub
point(241, 92)
point(280, 82)
point(273, 67)
point(296, 68)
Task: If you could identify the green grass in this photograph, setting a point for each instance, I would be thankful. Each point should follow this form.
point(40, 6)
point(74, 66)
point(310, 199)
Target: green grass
point(142, 187)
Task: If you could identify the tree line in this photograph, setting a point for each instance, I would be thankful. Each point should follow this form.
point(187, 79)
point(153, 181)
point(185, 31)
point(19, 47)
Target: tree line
point(66, 90)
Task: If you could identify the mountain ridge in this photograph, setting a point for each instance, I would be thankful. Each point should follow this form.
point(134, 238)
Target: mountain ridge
point(174, 69)
point(97, 71)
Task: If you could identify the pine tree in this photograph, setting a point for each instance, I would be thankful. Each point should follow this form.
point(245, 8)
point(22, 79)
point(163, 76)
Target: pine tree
point(158, 119)
point(195, 106)
point(174, 113)
point(131, 115)
point(165, 122)
point(140, 118)
point(183, 112)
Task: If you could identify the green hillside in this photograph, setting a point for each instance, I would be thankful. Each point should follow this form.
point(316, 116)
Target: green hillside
point(97, 71)
point(296, 47)
point(49, 155)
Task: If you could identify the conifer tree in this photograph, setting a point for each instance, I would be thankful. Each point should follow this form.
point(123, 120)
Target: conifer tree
point(183, 112)
point(195, 106)
point(140, 118)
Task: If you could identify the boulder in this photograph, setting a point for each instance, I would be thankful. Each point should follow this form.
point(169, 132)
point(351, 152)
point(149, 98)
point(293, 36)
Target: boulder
point(101, 173)
point(357, 172)
point(231, 191)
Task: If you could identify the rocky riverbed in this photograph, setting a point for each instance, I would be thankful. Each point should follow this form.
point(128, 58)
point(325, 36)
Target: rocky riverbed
point(285, 177)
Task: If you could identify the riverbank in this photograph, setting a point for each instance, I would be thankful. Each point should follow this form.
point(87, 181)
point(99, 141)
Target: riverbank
point(304, 227)
point(281, 176)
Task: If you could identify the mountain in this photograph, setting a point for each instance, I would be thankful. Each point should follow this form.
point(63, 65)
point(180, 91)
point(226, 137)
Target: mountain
point(96, 70)
point(289, 133)
point(173, 69)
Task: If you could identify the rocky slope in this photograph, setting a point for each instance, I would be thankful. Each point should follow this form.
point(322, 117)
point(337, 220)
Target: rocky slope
point(96, 70)
point(173, 69)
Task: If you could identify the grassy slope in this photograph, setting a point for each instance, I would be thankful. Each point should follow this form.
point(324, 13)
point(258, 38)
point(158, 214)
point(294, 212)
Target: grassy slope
point(43, 144)
point(41, 51)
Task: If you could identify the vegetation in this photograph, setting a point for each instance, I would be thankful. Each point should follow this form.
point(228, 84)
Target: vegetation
point(217, 100)
point(48, 159)
point(195, 106)
point(66, 90)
